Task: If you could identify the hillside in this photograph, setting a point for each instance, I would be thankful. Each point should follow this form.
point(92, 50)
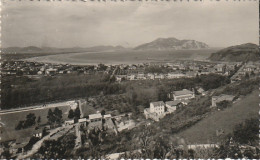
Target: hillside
point(238, 53)
point(172, 44)
point(205, 130)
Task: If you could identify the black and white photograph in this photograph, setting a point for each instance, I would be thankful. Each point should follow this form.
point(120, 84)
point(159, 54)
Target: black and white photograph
point(107, 79)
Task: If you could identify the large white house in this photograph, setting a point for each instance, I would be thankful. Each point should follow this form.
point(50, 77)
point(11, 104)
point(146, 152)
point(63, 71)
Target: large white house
point(181, 95)
point(159, 109)
point(156, 110)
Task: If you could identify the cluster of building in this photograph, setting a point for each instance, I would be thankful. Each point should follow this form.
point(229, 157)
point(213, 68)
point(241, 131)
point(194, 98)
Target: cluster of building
point(250, 68)
point(180, 69)
point(37, 68)
point(159, 109)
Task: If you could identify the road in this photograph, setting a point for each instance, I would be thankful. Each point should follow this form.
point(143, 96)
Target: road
point(39, 107)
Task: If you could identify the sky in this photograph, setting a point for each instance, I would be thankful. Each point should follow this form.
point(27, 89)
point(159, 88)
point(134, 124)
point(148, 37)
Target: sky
point(78, 24)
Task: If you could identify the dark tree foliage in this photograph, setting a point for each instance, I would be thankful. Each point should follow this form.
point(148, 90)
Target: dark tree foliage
point(39, 120)
point(71, 114)
point(54, 117)
point(103, 112)
point(247, 132)
point(77, 113)
point(60, 148)
point(29, 122)
point(223, 104)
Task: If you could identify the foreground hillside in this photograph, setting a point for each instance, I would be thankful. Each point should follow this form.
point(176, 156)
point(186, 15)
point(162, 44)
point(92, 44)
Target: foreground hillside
point(172, 44)
point(238, 53)
point(205, 130)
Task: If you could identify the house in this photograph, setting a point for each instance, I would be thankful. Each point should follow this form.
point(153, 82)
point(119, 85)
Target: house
point(40, 72)
point(51, 71)
point(220, 67)
point(181, 95)
point(73, 105)
point(140, 76)
point(107, 116)
point(171, 106)
point(159, 76)
point(220, 98)
point(131, 77)
point(201, 91)
point(95, 117)
point(175, 75)
point(202, 146)
point(150, 76)
point(190, 74)
point(119, 78)
point(69, 122)
point(83, 121)
point(156, 110)
point(37, 133)
point(95, 121)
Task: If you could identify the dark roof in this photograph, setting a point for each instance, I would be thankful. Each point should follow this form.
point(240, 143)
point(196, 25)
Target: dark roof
point(173, 103)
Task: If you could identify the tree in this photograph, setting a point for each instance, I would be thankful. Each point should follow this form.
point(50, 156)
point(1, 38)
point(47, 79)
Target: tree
point(71, 114)
point(252, 73)
point(247, 132)
point(20, 125)
point(103, 112)
point(77, 113)
point(112, 79)
point(247, 76)
point(58, 115)
point(30, 120)
point(50, 116)
point(39, 120)
point(54, 117)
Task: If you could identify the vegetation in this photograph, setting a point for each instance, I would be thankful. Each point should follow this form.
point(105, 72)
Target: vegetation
point(54, 117)
point(60, 148)
point(74, 114)
point(23, 91)
point(29, 122)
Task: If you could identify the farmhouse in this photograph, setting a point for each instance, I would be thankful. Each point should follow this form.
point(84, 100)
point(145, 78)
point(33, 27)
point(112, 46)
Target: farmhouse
point(220, 98)
point(181, 95)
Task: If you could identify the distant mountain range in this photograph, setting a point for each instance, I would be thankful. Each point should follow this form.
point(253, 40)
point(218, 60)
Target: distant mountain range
point(33, 49)
point(238, 53)
point(172, 44)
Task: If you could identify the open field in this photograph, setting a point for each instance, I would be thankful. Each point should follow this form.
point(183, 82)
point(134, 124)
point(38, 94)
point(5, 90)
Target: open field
point(124, 57)
point(205, 130)
point(10, 120)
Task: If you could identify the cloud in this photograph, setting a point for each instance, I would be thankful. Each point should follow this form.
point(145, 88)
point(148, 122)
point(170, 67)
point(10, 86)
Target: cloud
point(69, 24)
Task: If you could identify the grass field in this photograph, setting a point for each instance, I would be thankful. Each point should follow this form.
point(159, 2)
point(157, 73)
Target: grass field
point(11, 120)
point(125, 57)
point(205, 130)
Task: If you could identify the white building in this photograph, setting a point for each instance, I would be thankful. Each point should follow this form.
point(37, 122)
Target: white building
point(156, 110)
point(182, 95)
point(175, 75)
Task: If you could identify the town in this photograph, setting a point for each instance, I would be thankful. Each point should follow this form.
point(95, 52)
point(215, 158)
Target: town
point(149, 80)
point(151, 71)
point(79, 122)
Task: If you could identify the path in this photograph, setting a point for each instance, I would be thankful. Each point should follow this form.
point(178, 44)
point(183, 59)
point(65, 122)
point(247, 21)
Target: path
point(38, 144)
